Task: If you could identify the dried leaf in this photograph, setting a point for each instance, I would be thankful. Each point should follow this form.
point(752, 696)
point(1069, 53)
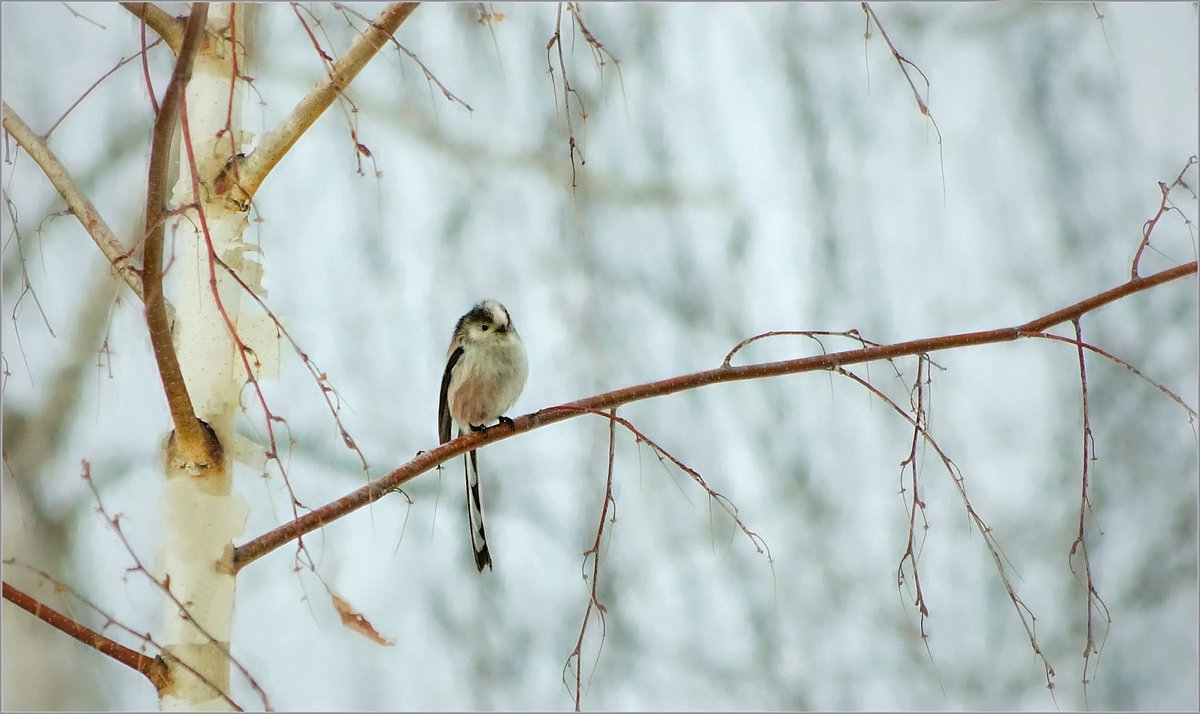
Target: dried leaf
point(357, 622)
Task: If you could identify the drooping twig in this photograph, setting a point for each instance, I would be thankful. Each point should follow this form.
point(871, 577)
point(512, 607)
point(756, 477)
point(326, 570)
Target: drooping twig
point(329, 393)
point(599, 55)
point(430, 77)
point(1028, 620)
point(913, 547)
point(556, 43)
point(594, 604)
point(1079, 546)
point(916, 504)
point(726, 505)
point(905, 63)
point(1192, 414)
point(26, 283)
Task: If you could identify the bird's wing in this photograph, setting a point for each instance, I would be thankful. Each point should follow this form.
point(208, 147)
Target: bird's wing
point(444, 420)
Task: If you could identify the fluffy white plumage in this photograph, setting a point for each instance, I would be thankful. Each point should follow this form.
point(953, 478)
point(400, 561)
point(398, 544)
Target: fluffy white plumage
point(486, 368)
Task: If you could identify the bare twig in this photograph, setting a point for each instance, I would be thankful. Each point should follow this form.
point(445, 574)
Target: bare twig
point(427, 460)
point(114, 521)
point(1148, 226)
point(1192, 415)
point(243, 350)
point(1104, 31)
point(146, 67)
point(76, 199)
point(1028, 620)
point(81, 16)
point(1079, 546)
point(26, 283)
point(430, 77)
point(594, 604)
point(914, 546)
point(556, 42)
point(916, 506)
point(814, 335)
point(124, 61)
point(726, 505)
point(599, 53)
point(905, 63)
point(111, 621)
point(297, 8)
point(327, 390)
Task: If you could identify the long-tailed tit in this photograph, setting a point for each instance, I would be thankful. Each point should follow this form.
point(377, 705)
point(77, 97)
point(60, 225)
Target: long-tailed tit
point(485, 372)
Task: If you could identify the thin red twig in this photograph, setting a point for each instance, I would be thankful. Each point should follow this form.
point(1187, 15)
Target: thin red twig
point(1079, 546)
point(1028, 620)
point(904, 64)
point(594, 604)
point(114, 521)
point(1148, 226)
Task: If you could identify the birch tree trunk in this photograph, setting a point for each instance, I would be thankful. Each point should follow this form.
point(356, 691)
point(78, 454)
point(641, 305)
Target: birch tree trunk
point(201, 514)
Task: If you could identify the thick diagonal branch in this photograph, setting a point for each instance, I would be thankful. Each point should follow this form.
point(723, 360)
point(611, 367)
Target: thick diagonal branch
point(278, 141)
point(255, 549)
point(187, 426)
point(168, 27)
point(76, 199)
point(152, 667)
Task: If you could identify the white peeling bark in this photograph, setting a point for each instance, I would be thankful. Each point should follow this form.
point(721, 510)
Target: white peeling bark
point(202, 514)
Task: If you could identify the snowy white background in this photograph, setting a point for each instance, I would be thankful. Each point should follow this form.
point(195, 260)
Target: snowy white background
point(749, 168)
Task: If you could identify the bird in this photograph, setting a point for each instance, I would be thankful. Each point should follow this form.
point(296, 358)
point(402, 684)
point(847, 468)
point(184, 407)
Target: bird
point(486, 369)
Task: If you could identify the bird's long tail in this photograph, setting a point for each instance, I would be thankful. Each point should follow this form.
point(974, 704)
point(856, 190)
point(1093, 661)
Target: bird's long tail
point(475, 515)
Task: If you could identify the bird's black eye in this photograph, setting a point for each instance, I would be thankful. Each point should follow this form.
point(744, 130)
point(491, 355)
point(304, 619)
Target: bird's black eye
point(484, 327)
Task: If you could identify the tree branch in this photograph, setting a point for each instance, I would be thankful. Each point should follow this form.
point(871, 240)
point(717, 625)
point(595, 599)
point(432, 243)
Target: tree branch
point(187, 426)
point(154, 668)
point(77, 201)
point(278, 141)
point(424, 461)
point(168, 27)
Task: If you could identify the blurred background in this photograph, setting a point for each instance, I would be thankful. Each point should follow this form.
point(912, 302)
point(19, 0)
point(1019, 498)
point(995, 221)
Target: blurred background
point(748, 168)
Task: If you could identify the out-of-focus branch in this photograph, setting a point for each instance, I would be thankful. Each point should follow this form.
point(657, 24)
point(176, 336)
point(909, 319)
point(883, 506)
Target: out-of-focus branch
point(76, 199)
point(168, 27)
point(278, 141)
point(187, 427)
point(426, 460)
point(154, 668)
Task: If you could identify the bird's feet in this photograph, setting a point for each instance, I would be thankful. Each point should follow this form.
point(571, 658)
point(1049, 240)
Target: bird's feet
point(501, 420)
